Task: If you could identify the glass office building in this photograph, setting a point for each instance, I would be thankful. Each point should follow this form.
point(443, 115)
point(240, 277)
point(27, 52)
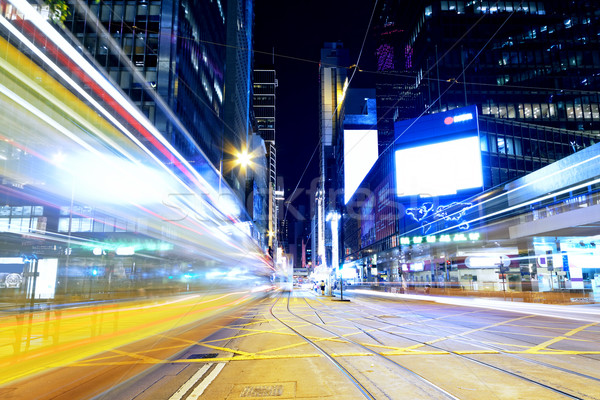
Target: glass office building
point(170, 58)
point(527, 61)
point(529, 67)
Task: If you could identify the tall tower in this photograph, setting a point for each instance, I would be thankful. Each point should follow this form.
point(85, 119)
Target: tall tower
point(169, 58)
point(265, 85)
point(333, 81)
point(238, 78)
point(527, 63)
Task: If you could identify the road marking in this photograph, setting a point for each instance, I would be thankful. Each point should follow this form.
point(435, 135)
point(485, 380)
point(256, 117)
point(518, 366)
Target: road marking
point(190, 382)
point(543, 346)
point(207, 381)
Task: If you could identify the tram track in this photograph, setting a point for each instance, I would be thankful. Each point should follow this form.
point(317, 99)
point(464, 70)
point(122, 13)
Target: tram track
point(487, 347)
point(499, 350)
point(356, 380)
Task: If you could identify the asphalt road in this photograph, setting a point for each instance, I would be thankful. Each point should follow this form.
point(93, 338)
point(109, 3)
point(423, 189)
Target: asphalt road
point(300, 345)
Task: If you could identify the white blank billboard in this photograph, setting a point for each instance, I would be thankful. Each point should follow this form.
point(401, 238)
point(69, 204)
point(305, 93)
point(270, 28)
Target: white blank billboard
point(440, 168)
point(360, 153)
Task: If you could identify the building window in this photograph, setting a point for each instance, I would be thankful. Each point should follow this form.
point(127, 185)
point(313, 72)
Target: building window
point(537, 111)
point(595, 111)
point(501, 145)
point(511, 111)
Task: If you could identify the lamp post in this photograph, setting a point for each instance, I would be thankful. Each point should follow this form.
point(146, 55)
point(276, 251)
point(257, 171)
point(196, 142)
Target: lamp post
point(333, 217)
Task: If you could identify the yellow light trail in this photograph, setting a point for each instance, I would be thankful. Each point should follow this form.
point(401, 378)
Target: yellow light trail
point(32, 343)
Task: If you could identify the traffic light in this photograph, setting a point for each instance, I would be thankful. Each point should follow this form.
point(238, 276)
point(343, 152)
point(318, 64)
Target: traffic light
point(449, 264)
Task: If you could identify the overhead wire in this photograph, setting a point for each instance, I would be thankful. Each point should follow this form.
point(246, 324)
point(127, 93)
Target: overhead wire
point(453, 81)
point(338, 104)
point(356, 68)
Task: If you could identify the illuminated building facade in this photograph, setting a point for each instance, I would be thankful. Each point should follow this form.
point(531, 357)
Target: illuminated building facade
point(429, 214)
point(108, 183)
point(264, 97)
point(169, 57)
point(533, 62)
point(328, 199)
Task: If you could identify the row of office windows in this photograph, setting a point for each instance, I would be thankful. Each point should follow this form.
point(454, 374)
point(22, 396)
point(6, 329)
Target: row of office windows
point(142, 50)
point(23, 225)
point(521, 166)
point(491, 7)
point(85, 219)
point(95, 225)
point(549, 58)
point(544, 111)
point(506, 145)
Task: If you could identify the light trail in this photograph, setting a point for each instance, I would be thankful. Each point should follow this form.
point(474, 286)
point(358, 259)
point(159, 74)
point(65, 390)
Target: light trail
point(71, 335)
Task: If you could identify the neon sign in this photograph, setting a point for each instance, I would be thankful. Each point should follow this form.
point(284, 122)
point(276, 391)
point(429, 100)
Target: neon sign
point(452, 214)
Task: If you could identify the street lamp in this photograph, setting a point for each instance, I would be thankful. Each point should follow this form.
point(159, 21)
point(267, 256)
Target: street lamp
point(333, 217)
point(243, 158)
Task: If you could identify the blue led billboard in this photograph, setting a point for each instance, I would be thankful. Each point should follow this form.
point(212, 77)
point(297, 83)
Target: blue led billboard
point(438, 154)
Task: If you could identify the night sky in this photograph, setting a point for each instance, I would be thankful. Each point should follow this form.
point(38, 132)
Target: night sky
point(296, 32)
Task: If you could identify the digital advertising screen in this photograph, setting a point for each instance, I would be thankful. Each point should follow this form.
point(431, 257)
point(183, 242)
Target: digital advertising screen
point(438, 154)
point(360, 153)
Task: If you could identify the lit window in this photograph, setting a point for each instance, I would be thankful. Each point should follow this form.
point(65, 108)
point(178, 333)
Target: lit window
point(502, 111)
point(511, 111)
point(570, 112)
point(578, 111)
point(501, 145)
point(587, 111)
point(595, 111)
point(528, 113)
point(545, 111)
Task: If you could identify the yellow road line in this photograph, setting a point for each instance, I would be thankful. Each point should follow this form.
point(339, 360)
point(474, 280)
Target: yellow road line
point(559, 338)
point(258, 357)
point(136, 355)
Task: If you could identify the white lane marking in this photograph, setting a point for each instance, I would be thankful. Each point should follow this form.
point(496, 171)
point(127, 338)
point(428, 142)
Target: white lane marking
point(190, 382)
point(207, 381)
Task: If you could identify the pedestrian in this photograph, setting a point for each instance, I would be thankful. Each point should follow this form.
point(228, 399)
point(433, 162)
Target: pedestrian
point(323, 288)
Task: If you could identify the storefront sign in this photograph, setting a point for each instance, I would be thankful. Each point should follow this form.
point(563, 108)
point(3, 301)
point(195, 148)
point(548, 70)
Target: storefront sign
point(456, 237)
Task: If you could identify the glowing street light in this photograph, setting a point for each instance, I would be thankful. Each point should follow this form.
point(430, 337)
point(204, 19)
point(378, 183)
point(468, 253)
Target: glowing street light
point(244, 158)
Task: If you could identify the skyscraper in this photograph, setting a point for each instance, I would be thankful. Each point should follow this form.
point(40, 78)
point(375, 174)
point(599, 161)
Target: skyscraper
point(172, 59)
point(528, 67)
point(264, 97)
point(238, 78)
point(333, 83)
